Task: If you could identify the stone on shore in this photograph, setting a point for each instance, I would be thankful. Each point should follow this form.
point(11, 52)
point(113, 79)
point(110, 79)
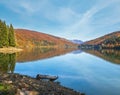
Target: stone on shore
point(25, 85)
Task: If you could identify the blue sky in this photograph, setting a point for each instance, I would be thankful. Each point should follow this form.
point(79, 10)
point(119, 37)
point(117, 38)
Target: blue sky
point(70, 19)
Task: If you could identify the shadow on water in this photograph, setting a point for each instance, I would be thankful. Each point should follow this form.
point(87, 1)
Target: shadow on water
point(32, 54)
point(110, 55)
point(7, 62)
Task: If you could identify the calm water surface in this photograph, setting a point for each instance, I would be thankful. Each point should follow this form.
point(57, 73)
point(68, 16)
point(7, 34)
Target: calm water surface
point(91, 72)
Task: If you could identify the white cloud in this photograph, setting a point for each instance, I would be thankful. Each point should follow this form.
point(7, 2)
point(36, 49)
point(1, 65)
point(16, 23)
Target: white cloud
point(25, 7)
point(62, 15)
point(46, 8)
point(70, 22)
point(85, 23)
point(87, 16)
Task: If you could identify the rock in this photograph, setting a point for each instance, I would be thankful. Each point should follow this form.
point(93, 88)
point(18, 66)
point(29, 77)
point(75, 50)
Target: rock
point(32, 93)
point(82, 93)
point(5, 75)
point(8, 82)
point(22, 93)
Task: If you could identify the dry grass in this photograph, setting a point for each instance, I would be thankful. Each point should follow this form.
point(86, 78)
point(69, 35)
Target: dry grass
point(10, 50)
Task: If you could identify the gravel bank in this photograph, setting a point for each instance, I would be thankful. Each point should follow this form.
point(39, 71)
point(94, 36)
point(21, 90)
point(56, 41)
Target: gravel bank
point(25, 85)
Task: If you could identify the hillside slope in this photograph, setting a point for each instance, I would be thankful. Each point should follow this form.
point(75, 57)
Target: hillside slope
point(29, 38)
point(103, 38)
point(108, 41)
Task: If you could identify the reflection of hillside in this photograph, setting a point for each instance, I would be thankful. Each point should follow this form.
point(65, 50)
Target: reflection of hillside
point(40, 53)
point(109, 55)
point(7, 62)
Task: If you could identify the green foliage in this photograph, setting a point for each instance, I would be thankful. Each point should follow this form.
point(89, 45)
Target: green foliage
point(4, 34)
point(7, 37)
point(11, 36)
point(4, 87)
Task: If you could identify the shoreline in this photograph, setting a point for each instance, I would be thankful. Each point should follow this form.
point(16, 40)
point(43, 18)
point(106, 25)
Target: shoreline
point(10, 50)
point(25, 85)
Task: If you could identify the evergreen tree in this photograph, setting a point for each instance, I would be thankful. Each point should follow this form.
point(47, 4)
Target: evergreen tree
point(7, 36)
point(11, 36)
point(3, 34)
point(0, 33)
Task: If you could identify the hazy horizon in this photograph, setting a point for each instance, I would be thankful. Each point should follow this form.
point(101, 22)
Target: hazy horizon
point(74, 19)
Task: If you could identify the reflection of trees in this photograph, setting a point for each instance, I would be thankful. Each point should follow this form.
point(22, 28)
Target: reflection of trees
point(40, 53)
point(107, 54)
point(7, 62)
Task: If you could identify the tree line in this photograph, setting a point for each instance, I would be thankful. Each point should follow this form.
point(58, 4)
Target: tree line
point(7, 36)
point(113, 42)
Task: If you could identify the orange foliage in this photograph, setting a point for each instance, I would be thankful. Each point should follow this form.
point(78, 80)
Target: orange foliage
point(29, 38)
point(100, 40)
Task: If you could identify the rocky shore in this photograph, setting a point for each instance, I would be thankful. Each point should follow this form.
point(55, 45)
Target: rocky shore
point(16, 84)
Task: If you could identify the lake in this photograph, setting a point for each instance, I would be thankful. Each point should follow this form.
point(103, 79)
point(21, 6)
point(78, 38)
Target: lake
point(92, 72)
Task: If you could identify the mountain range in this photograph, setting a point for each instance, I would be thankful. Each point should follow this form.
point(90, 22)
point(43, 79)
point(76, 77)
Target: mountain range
point(77, 41)
point(30, 38)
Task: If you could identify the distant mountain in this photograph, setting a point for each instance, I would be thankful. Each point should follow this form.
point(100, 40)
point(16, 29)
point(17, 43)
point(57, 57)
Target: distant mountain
point(77, 41)
point(111, 40)
point(29, 38)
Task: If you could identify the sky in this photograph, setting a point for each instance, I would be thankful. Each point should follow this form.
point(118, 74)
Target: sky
point(71, 19)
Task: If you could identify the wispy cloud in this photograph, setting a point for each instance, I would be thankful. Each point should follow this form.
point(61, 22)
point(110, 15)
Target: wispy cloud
point(65, 19)
point(27, 7)
point(42, 7)
point(85, 23)
point(62, 15)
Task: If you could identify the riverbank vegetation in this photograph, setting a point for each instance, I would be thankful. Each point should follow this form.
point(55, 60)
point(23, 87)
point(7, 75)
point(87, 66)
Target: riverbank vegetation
point(7, 38)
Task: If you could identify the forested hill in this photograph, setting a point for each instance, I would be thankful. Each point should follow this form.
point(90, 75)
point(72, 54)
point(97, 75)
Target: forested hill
point(29, 38)
point(7, 37)
point(10, 37)
point(111, 40)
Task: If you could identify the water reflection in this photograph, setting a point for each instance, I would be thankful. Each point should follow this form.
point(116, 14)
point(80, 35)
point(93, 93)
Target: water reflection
point(85, 72)
point(7, 62)
point(110, 55)
point(33, 54)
